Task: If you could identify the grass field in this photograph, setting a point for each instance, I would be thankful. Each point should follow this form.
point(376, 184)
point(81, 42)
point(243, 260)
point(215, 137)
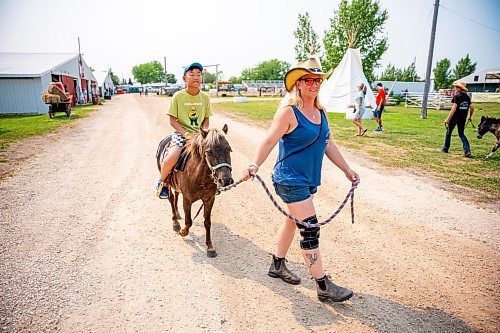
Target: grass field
point(409, 142)
point(17, 127)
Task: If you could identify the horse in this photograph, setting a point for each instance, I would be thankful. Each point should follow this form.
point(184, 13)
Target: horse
point(207, 168)
point(492, 125)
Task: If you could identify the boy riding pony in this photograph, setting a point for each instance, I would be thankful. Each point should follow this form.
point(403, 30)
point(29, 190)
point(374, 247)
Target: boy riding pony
point(189, 110)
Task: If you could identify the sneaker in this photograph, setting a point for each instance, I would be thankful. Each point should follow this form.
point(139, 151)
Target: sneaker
point(333, 292)
point(443, 150)
point(283, 272)
point(467, 153)
point(378, 129)
point(162, 190)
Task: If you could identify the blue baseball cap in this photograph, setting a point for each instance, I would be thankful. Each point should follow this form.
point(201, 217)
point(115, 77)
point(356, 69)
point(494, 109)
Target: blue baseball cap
point(192, 66)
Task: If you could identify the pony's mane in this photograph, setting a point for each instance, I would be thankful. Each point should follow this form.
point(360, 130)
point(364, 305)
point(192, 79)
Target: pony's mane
point(492, 120)
point(197, 144)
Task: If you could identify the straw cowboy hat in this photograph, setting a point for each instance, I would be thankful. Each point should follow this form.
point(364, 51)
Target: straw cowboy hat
point(461, 85)
point(308, 66)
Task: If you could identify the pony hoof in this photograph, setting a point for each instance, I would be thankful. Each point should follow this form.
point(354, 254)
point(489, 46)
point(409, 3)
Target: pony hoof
point(176, 227)
point(183, 233)
point(211, 253)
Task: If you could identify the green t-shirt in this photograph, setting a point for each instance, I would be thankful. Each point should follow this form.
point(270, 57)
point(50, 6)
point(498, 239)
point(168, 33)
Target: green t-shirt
point(189, 110)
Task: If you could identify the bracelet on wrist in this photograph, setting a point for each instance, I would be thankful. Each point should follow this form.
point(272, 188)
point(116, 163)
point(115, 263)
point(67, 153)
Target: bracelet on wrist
point(254, 165)
point(185, 134)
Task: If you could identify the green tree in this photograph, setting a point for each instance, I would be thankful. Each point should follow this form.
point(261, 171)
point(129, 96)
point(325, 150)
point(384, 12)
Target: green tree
point(234, 79)
point(442, 74)
point(359, 24)
point(273, 69)
point(463, 68)
point(307, 39)
point(171, 78)
point(209, 77)
point(391, 73)
point(248, 74)
point(151, 72)
point(409, 74)
point(114, 78)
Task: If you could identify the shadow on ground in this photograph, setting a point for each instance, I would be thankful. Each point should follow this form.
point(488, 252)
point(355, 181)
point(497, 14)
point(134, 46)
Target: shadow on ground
point(239, 258)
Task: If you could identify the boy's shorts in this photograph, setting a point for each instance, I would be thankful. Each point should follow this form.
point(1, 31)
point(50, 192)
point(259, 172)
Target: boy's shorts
point(291, 194)
point(177, 140)
point(378, 113)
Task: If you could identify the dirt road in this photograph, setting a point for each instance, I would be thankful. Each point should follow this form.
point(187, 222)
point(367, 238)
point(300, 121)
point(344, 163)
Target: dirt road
point(85, 246)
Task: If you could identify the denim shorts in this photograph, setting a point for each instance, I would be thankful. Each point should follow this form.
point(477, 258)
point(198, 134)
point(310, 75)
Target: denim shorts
point(358, 115)
point(291, 194)
point(378, 113)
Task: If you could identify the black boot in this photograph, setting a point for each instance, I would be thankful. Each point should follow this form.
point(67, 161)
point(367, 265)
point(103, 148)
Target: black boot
point(329, 291)
point(278, 269)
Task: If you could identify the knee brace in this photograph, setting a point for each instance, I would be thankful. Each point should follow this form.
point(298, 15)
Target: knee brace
point(310, 236)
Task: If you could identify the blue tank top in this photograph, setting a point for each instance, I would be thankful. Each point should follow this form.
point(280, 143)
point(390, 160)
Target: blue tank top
point(302, 168)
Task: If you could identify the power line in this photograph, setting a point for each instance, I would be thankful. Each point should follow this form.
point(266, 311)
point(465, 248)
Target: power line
point(467, 18)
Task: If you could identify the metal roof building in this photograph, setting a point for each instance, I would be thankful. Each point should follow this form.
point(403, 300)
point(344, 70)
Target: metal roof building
point(486, 80)
point(104, 81)
point(25, 76)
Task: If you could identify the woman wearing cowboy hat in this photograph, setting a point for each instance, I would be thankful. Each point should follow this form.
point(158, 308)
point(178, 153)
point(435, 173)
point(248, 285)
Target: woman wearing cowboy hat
point(301, 128)
point(457, 117)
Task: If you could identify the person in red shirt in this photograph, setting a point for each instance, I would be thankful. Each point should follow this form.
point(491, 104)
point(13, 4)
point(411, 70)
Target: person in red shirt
point(380, 100)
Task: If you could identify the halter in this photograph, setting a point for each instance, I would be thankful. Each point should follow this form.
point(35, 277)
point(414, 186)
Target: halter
point(218, 166)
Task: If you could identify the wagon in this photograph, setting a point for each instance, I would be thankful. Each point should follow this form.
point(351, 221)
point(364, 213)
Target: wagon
point(59, 107)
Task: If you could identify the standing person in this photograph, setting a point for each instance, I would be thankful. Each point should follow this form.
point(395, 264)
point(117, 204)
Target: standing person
point(359, 109)
point(140, 92)
point(189, 110)
point(304, 137)
point(461, 104)
point(380, 100)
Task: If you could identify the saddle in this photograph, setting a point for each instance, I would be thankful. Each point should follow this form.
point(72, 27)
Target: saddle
point(181, 163)
point(162, 151)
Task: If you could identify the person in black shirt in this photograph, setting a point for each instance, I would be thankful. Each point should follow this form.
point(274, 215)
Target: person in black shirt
point(461, 104)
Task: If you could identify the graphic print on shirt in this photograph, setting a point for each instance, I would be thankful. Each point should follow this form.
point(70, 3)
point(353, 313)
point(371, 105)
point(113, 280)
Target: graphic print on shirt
point(193, 116)
point(464, 106)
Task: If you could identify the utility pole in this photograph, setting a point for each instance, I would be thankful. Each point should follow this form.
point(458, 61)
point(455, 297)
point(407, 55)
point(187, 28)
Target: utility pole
point(80, 70)
point(217, 80)
point(165, 67)
point(427, 86)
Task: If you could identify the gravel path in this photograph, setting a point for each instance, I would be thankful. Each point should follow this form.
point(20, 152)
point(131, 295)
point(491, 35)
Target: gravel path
point(86, 247)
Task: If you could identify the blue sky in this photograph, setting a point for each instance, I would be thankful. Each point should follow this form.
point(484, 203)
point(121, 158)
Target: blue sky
point(235, 34)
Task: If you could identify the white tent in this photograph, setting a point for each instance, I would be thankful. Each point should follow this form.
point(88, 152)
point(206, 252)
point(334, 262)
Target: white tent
point(339, 91)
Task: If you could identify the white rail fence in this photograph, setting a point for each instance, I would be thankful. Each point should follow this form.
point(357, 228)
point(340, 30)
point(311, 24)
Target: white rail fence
point(438, 101)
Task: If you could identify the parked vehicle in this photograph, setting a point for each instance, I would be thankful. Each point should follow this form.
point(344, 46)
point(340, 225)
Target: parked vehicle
point(170, 91)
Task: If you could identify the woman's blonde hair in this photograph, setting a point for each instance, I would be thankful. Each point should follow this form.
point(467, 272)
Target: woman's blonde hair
point(294, 98)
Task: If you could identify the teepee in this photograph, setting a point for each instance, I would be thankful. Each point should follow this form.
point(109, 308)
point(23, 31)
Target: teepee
point(338, 92)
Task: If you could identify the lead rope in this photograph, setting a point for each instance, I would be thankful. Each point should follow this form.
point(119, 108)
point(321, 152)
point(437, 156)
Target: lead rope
point(350, 194)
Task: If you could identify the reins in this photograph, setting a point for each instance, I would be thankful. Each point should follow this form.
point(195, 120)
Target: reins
point(350, 194)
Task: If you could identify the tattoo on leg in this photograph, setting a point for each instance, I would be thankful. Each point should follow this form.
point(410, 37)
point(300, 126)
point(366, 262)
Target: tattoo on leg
point(313, 257)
